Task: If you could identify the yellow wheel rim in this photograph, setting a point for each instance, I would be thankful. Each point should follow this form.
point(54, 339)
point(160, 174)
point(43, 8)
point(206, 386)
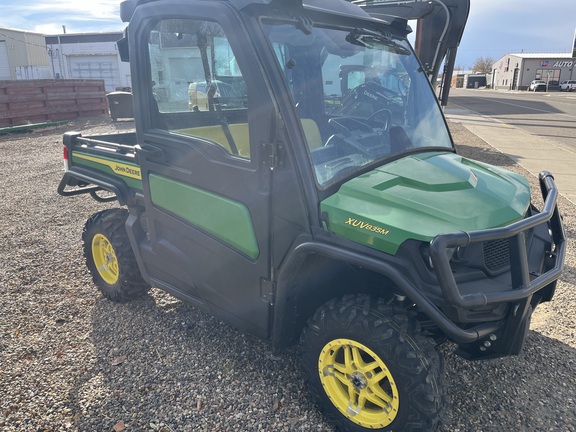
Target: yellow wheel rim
point(105, 259)
point(358, 383)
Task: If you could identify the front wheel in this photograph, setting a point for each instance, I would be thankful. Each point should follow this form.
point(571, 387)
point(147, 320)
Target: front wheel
point(110, 258)
point(370, 368)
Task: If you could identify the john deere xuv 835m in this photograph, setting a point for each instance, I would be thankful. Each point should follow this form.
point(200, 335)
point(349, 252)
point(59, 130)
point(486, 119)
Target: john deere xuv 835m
point(293, 174)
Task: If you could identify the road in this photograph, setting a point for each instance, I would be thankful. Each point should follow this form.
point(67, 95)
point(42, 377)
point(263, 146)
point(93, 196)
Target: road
point(548, 115)
point(536, 130)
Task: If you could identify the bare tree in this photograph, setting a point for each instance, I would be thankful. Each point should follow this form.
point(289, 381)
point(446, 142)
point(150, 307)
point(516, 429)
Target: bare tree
point(483, 65)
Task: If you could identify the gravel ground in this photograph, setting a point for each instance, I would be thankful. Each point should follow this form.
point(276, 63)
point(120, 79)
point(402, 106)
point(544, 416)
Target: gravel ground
point(73, 361)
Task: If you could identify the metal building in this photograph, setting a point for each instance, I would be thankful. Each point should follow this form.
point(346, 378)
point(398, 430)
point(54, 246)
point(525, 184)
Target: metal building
point(23, 55)
point(517, 71)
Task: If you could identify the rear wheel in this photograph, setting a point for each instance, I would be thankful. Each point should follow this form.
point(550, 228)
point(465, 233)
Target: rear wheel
point(110, 258)
point(370, 368)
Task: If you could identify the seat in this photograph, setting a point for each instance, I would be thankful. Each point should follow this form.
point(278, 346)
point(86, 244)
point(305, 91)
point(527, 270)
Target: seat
point(239, 131)
point(312, 133)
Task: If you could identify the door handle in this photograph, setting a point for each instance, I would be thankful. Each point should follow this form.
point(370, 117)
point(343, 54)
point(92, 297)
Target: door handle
point(150, 152)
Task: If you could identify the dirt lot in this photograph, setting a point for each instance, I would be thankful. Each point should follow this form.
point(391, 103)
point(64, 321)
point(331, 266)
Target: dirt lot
point(72, 361)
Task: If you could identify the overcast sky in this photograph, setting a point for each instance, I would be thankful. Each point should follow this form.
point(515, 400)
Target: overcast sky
point(495, 27)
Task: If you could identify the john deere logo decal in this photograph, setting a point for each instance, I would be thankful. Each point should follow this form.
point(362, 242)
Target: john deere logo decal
point(366, 226)
point(125, 170)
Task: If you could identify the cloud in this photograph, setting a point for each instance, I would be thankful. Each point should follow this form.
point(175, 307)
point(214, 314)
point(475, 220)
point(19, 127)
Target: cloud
point(48, 29)
point(495, 27)
point(106, 9)
point(499, 27)
point(49, 15)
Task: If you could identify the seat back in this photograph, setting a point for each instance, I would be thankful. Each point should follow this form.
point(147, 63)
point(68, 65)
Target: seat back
point(241, 135)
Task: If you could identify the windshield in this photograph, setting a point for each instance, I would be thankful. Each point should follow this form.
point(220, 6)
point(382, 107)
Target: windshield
point(362, 96)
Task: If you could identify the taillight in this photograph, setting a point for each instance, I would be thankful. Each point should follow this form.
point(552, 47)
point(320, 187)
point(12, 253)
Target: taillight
point(65, 155)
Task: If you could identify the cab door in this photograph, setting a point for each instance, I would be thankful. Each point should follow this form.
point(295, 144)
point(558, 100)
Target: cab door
point(204, 117)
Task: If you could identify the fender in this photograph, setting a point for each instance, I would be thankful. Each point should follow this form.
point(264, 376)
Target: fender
point(285, 301)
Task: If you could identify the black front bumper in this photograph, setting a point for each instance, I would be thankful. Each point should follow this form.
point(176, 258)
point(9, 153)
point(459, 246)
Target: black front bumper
point(505, 336)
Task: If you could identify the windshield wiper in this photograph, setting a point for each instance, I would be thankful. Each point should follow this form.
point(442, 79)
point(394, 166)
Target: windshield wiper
point(371, 39)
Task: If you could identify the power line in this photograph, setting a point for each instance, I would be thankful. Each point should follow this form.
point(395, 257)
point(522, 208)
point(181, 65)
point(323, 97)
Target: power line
point(23, 41)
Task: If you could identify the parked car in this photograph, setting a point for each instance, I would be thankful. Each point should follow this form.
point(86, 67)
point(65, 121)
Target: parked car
point(537, 85)
point(569, 85)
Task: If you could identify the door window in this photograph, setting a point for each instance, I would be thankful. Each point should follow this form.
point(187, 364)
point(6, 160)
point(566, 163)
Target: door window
point(196, 84)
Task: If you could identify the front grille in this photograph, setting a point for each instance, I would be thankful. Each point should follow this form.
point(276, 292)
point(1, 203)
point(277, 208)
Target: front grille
point(496, 255)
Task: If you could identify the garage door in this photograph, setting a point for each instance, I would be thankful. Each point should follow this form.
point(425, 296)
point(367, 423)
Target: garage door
point(4, 65)
point(96, 67)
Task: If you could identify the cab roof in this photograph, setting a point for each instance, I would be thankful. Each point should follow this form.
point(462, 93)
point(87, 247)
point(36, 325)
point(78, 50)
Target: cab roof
point(338, 7)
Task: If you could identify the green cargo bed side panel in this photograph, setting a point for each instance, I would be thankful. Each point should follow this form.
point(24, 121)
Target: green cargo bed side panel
point(421, 196)
point(225, 219)
point(128, 172)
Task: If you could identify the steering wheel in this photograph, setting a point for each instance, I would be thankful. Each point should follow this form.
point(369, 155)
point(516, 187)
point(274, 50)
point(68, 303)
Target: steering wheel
point(403, 85)
point(381, 117)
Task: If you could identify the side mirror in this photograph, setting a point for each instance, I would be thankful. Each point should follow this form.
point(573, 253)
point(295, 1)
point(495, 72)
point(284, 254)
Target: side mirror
point(127, 10)
point(123, 47)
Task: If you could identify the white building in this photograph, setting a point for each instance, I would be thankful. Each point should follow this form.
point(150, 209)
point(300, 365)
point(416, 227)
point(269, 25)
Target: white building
point(88, 56)
point(516, 71)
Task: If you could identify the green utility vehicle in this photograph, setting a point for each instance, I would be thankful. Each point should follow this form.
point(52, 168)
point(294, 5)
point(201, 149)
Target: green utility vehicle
point(292, 173)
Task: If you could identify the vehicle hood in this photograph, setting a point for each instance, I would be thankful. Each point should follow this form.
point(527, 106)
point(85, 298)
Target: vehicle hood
point(421, 196)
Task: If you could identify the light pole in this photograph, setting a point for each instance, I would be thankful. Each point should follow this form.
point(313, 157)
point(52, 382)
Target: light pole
point(51, 54)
